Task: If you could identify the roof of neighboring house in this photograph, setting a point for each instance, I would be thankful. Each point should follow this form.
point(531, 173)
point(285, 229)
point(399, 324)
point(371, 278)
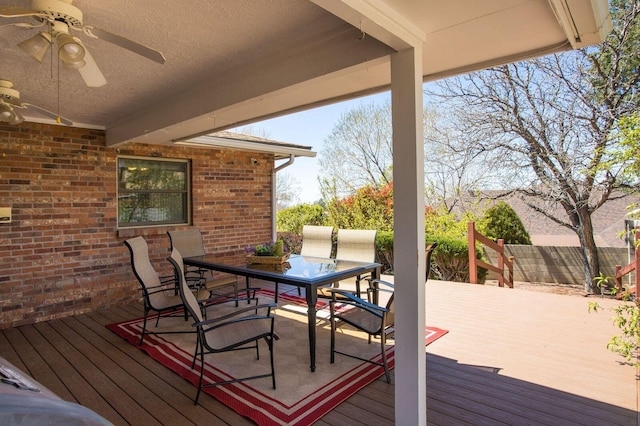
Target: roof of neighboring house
point(608, 221)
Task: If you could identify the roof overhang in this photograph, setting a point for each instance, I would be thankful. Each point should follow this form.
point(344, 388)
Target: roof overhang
point(280, 150)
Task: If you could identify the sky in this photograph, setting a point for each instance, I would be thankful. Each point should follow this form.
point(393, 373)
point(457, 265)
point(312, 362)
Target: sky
point(308, 128)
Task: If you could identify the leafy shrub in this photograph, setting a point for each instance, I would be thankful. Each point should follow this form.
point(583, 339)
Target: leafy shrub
point(384, 250)
point(450, 260)
point(292, 241)
point(368, 208)
point(294, 218)
point(500, 221)
point(441, 223)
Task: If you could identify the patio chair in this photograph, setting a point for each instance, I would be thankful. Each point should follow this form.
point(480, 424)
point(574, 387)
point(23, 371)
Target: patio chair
point(189, 243)
point(158, 293)
point(367, 316)
point(353, 244)
point(317, 241)
point(241, 329)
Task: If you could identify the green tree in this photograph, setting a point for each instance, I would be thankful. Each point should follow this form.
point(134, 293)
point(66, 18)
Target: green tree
point(500, 221)
point(549, 121)
point(294, 218)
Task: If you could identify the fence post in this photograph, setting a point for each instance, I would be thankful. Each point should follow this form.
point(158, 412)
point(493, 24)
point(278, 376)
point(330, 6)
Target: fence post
point(501, 263)
point(473, 270)
point(637, 262)
point(619, 281)
point(511, 271)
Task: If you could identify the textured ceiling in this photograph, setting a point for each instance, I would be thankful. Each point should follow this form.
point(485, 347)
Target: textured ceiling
point(198, 38)
point(230, 62)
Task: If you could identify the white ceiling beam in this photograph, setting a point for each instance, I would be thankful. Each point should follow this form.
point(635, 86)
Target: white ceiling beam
point(377, 19)
point(582, 29)
point(193, 111)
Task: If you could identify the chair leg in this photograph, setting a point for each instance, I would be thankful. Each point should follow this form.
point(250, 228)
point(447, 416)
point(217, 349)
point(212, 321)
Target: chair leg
point(333, 333)
point(195, 402)
point(273, 371)
point(384, 357)
point(195, 354)
point(275, 298)
point(144, 324)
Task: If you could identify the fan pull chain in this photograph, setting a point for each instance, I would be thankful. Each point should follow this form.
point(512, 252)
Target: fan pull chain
point(58, 111)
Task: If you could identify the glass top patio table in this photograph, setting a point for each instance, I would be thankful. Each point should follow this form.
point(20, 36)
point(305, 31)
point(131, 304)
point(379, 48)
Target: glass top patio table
point(300, 271)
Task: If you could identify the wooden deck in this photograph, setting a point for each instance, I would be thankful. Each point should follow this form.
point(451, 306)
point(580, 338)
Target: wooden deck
point(511, 357)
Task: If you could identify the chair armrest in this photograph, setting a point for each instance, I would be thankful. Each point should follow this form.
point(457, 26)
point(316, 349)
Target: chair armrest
point(384, 283)
point(236, 313)
point(356, 301)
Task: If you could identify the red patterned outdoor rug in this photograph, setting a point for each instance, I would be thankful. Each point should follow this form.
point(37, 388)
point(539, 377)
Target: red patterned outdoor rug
point(301, 397)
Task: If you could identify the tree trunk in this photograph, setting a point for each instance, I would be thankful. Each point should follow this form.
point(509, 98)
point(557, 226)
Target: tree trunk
point(589, 249)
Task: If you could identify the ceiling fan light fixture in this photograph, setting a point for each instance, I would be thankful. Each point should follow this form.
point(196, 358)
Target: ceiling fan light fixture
point(74, 65)
point(70, 49)
point(36, 46)
point(8, 114)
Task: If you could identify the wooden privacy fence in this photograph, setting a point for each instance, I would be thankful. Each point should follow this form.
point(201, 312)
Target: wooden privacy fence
point(474, 262)
point(631, 267)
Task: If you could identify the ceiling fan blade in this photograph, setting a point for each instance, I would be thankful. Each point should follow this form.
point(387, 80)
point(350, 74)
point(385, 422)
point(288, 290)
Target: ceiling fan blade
point(14, 102)
point(50, 114)
point(12, 12)
point(90, 72)
point(134, 47)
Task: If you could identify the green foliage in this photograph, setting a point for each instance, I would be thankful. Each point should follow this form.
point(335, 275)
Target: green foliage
point(441, 223)
point(368, 208)
point(625, 151)
point(292, 241)
point(626, 317)
point(384, 250)
point(294, 218)
point(451, 260)
point(500, 221)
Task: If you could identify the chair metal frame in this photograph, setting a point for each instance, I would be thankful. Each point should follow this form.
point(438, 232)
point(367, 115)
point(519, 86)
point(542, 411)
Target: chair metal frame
point(189, 243)
point(367, 316)
point(241, 317)
point(158, 293)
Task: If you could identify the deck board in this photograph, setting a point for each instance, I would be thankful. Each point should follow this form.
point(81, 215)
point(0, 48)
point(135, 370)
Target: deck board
point(505, 361)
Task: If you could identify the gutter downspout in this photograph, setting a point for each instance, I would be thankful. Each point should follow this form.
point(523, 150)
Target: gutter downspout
point(292, 158)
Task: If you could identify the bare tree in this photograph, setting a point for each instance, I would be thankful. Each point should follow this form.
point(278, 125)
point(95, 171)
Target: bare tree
point(287, 190)
point(452, 170)
point(549, 121)
point(358, 151)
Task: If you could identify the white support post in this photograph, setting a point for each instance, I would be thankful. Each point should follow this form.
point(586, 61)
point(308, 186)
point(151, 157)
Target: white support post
point(409, 244)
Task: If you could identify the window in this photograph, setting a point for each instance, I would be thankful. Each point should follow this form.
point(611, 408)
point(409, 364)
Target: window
point(152, 191)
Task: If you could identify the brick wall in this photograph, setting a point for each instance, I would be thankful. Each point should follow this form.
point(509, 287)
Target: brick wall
point(62, 254)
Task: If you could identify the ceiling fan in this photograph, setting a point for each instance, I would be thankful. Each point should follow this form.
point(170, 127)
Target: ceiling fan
point(57, 17)
point(10, 100)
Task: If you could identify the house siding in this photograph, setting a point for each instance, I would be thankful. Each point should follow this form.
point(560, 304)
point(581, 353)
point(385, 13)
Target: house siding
point(62, 254)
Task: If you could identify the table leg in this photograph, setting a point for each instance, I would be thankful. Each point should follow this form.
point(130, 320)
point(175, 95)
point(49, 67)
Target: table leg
point(312, 298)
point(248, 291)
point(375, 275)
